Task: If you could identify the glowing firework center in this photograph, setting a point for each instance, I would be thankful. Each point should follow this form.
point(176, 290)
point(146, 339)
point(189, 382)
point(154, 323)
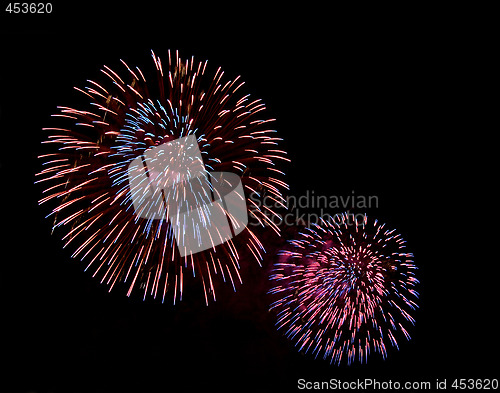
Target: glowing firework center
point(171, 182)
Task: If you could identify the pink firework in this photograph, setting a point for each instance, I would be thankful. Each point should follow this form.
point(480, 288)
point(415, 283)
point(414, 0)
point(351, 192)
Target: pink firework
point(84, 171)
point(345, 289)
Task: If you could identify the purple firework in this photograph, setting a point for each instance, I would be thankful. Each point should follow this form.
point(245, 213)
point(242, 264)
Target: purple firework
point(344, 290)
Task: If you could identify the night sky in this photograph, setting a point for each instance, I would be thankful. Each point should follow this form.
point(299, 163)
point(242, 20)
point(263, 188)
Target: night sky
point(364, 107)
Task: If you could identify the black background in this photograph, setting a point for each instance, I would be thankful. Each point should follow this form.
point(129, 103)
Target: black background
point(371, 104)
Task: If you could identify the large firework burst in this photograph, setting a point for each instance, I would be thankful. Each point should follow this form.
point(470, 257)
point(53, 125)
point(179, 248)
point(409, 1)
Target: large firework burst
point(345, 289)
point(85, 170)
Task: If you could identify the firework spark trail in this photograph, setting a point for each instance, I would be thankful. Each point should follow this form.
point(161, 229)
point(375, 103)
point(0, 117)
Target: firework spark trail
point(85, 170)
point(344, 290)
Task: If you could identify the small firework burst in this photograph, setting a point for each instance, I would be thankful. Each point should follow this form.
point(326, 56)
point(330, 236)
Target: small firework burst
point(345, 290)
point(84, 171)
